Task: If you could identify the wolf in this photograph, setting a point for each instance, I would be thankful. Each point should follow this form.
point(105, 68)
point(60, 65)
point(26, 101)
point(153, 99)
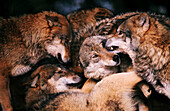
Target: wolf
point(27, 39)
point(80, 19)
point(114, 92)
point(145, 37)
point(98, 62)
point(105, 26)
point(49, 79)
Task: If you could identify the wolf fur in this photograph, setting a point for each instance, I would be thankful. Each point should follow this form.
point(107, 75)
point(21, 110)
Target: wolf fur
point(27, 39)
point(105, 26)
point(114, 92)
point(49, 79)
point(146, 38)
point(98, 62)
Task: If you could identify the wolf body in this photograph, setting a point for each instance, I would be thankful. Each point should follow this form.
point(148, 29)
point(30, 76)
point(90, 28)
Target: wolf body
point(27, 39)
point(114, 92)
point(146, 38)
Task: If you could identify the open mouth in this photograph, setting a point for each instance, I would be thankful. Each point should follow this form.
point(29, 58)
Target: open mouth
point(60, 59)
point(75, 85)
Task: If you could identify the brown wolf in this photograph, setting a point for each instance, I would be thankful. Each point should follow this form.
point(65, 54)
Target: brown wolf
point(79, 20)
point(26, 40)
point(83, 17)
point(105, 26)
point(114, 92)
point(49, 79)
point(146, 38)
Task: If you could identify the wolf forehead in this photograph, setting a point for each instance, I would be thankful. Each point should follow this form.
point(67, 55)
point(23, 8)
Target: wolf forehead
point(91, 45)
point(94, 42)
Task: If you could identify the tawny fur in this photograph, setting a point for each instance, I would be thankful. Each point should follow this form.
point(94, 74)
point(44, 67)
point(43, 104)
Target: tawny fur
point(107, 25)
point(27, 39)
point(111, 93)
point(146, 38)
point(49, 79)
point(79, 20)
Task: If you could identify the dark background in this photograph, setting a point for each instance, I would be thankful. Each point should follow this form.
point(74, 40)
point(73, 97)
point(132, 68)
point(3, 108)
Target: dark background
point(20, 7)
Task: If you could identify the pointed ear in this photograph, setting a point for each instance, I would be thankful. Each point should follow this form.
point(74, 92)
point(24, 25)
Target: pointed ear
point(68, 16)
point(51, 20)
point(143, 21)
point(35, 81)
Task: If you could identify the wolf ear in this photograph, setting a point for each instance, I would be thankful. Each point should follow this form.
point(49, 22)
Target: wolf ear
point(68, 16)
point(51, 20)
point(35, 81)
point(143, 21)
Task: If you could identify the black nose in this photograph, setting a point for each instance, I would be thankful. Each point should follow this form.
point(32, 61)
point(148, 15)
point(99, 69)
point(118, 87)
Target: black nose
point(116, 58)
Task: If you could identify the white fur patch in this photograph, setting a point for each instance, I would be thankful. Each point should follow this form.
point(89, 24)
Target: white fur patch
point(20, 69)
point(57, 48)
point(60, 85)
point(109, 63)
point(99, 70)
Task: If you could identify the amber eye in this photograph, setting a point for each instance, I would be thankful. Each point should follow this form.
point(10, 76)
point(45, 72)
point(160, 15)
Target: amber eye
point(112, 48)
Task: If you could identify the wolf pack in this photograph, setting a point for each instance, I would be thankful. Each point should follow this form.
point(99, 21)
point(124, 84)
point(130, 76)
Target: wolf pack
point(89, 60)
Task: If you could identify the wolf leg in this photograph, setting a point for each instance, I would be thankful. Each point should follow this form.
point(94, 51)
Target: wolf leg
point(5, 94)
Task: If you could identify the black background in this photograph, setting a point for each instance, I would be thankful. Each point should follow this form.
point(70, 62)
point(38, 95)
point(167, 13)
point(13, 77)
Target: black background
point(20, 7)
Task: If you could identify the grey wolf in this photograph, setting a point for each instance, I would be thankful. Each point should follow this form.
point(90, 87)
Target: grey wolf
point(98, 62)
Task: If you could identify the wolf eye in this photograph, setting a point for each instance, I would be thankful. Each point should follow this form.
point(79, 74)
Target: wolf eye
point(112, 48)
point(121, 34)
point(95, 56)
point(57, 24)
point(60, 72)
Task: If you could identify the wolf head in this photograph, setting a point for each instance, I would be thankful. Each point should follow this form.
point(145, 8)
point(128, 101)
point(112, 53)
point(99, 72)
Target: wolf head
point(145, 37)
point(97, 61)
point(56, 35)
point(130, 34)
point(54, 78)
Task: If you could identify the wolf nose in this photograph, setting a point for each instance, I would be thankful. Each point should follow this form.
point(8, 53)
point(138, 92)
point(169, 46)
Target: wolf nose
point(116, 58)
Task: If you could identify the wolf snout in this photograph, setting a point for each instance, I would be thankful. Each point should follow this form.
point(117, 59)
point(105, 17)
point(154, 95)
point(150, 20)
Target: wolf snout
point(75, 81)
point(64, 58)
